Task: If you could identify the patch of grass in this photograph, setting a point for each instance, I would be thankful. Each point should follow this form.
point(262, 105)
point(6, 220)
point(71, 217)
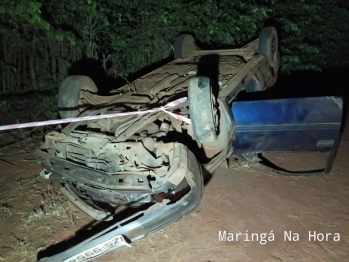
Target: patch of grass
point(20, 250)
point(5, 106)
point(21, 245)
point(5, 211)
point(53, 205)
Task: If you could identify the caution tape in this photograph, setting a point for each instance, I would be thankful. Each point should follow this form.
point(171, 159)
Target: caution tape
point(84, 118)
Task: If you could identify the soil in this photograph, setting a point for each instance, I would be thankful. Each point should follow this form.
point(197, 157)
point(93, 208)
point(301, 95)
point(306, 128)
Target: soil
point(35, 216)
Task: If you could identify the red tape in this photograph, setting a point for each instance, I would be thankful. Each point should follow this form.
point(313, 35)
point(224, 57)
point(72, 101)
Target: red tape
point(84, 118)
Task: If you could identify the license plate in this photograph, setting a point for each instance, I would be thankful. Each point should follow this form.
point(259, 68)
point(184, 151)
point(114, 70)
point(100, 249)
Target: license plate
point(99, 249)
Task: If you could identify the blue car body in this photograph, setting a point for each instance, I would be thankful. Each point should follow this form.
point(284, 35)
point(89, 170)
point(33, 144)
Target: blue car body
point(287, 125)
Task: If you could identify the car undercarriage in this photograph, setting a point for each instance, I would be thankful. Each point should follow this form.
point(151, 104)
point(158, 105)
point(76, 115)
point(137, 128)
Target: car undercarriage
point(155, 159)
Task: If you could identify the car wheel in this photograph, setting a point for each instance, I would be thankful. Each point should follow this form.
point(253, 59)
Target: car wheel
point(184, 45)
point(268, 46)
point(68, 95)
point(276, 70)
point(203, 109)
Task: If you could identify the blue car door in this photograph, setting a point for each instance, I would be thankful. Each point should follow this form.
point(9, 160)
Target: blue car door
point(288, 125)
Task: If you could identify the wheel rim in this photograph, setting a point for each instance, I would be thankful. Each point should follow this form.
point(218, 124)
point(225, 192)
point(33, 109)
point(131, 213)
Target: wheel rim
point(189, 46)
point(274, 48)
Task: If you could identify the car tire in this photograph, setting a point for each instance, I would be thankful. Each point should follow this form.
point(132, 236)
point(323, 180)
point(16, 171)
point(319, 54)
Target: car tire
point(184, 45)
point(203, 110)
point(68, 95)
point(268, 46)
point(193, 177)
point(276, 70)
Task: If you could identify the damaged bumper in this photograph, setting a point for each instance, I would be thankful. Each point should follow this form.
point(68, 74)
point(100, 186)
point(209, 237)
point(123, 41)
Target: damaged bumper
point(140, 224)
point(134, 186)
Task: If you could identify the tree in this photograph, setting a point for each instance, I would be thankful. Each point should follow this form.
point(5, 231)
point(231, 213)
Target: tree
point(40, 39)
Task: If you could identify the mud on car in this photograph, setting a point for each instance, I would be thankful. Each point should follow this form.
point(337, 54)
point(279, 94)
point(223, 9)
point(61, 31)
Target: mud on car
point(156, 160)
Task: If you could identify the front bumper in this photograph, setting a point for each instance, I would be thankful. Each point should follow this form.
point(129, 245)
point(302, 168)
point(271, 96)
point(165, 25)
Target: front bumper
point(142, 223)
point(122, 188)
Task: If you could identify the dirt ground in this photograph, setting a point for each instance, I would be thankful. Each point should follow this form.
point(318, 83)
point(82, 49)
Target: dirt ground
point(34, 216)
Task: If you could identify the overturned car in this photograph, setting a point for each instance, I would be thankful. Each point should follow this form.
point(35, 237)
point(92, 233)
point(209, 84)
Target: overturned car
point(156, 159)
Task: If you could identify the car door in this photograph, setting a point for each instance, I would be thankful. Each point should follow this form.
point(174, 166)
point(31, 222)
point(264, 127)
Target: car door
point(288, 125)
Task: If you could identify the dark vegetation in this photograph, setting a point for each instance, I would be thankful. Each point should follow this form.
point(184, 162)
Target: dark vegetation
point(41, 42)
